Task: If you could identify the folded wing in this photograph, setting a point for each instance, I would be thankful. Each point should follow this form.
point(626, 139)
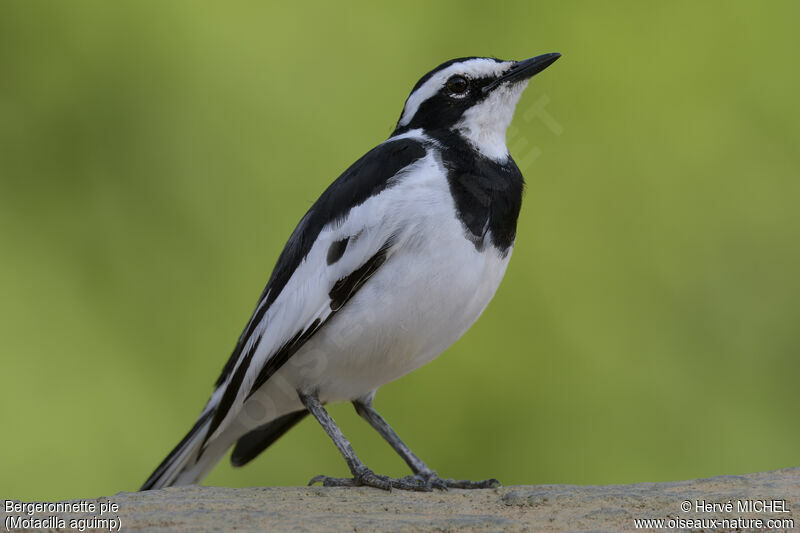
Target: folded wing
point(337, 246)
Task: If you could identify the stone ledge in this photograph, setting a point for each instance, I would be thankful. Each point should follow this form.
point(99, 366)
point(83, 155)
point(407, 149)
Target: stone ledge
point(513, 508)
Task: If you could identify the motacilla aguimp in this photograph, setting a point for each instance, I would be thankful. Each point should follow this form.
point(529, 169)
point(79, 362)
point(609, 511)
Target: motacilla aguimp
point(390, 266)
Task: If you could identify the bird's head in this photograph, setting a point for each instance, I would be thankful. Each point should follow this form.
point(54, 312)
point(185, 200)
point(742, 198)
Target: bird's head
point(474, 97)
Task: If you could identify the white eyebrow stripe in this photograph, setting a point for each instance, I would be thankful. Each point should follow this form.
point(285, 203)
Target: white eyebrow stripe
point(478, 67)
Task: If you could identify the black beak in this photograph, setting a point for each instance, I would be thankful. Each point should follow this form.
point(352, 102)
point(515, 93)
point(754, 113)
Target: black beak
point(523, 70)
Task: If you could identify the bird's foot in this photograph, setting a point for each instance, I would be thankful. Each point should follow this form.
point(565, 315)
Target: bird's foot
point(422, 482)
point(365, 477)
point(433, 481)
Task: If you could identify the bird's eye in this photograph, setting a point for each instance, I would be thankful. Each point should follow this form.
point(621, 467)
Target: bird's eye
point(457, 84)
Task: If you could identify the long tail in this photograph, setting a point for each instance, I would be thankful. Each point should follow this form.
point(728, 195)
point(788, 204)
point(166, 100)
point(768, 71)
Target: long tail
point(186, 464)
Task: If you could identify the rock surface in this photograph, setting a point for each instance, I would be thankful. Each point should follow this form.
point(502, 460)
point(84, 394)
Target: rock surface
point(514, 508)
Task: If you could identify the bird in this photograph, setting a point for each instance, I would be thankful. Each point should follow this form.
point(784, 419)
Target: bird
point(392, 264)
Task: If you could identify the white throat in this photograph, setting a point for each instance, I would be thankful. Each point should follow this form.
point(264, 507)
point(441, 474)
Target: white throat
point(484, 125)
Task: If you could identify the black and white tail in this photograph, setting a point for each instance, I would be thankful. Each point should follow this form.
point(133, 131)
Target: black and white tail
point(191, 461)
point(186, 464)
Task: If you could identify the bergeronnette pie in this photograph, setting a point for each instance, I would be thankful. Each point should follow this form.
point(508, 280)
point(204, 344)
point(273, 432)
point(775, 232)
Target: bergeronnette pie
point(389, 267)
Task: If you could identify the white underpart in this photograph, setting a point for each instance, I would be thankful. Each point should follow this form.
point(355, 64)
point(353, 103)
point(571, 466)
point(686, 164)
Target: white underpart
point(473, 68)
point(431, 289)
point(484, 125)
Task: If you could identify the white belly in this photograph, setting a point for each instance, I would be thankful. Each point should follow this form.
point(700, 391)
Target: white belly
point(397, 324)
point(404, 317)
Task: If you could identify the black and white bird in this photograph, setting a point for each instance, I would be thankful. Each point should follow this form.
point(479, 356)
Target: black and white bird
point(389, 267)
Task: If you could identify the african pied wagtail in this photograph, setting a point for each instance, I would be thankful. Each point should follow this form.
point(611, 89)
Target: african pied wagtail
point(390, 266)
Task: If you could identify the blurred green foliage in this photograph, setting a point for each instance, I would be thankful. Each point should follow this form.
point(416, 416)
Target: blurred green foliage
point(154, 157)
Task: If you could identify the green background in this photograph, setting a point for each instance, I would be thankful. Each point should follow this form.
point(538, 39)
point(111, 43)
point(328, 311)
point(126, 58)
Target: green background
point(154, 157)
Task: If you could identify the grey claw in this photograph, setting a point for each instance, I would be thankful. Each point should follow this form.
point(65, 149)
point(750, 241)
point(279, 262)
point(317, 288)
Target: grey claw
point(363, 478)
point(332, 481)
point(316, 479)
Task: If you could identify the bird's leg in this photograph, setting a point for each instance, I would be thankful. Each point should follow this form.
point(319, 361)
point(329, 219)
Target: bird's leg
point(362, 475)
point(422, 473)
